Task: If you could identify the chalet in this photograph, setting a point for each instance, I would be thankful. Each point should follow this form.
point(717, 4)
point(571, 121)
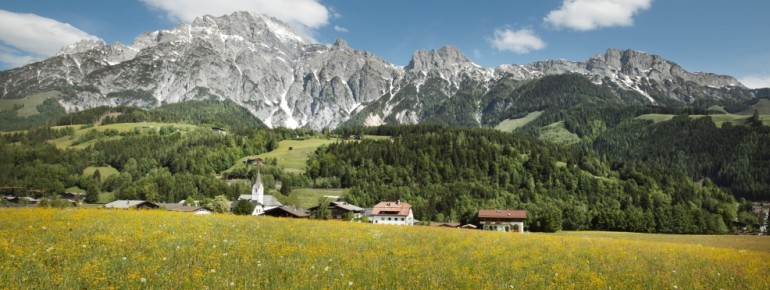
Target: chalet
point(502, 220)
point(338, 210)
point(73, 195)
point(445, 225)
point(197, 210)
point(288, 211)
point(23, 200)
point(392, 213)
point(137, 204)
point(257, 197)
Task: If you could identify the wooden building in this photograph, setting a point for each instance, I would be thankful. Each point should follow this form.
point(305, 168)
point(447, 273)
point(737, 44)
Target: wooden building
point(288, 211)
point(503, 220)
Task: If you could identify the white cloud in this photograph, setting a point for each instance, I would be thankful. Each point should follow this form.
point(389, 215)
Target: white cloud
point(517, 41)
point(308, 13)
point(756, 81)
point(584, 15)
point(28, 36)
point(340, 28)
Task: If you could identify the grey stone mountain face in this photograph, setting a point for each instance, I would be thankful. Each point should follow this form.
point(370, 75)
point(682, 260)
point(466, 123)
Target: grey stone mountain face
point(286, 80)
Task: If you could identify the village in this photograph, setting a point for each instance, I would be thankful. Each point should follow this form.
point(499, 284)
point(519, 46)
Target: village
point(399, 213)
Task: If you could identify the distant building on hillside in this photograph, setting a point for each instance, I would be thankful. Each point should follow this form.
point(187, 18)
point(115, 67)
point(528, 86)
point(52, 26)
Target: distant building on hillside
point(503, 220)
point(393, 213)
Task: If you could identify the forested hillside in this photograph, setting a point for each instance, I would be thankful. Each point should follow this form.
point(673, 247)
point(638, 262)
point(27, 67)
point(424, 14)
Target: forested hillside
point(448, 174)
point(734, 157)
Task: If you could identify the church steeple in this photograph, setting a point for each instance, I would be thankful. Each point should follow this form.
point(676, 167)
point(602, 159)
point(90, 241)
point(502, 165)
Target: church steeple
point(258, 191)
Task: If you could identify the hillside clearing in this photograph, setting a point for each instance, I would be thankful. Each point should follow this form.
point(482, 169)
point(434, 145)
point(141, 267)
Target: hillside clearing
point(292, 155)
point(29, 103)
point(510, 125)
point(309, 197)
point(149, 249)
point(80, 130)
point(104, 171)
point(558, 134)
point(719, 119)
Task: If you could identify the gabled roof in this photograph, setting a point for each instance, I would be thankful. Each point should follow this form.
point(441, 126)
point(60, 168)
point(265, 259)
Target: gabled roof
point(128, 204)
point(346, 206)
point(502, 214)
point(397, 208)
point(444, 224)
point(179, 207)
point(290, 210)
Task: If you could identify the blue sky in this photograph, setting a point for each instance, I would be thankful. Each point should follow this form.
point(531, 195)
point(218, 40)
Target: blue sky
point(723, 37)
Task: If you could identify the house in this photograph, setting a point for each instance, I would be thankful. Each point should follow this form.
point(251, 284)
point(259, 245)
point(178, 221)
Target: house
point(503, 220)
point(23, 200)
point(392, 213)
point(126, 204)
point(338, 210)
point(73, 195)
point(288, 211)
point(445, 225)
point(184, 208)
point(257, 197)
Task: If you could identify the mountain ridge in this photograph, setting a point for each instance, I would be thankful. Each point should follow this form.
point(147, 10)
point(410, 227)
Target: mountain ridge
point(286, 80)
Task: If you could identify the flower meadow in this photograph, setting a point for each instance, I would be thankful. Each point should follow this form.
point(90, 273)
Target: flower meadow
point(132, 249)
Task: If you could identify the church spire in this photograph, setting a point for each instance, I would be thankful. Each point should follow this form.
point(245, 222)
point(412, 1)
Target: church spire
point(258, 191)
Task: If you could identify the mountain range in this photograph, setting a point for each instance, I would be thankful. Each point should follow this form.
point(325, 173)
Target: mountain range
point(286, 80)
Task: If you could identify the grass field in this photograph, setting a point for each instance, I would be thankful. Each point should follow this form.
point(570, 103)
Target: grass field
point(67, 141)
point(294, 160)
point(512, 124)
point(104, 171)
point(308, 197)
point(558, 134)
point(762, 107)
point(30, 103)
point(719, 119)
point(129, 249)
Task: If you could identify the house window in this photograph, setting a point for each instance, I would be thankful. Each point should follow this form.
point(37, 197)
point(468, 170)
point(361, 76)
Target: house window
point(402, 219)
point(388, 218)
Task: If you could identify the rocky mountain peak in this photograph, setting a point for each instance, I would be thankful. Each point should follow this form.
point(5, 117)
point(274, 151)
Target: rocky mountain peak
point(437, 58)
point(340, 44)
point(81, 46)
point(644, 65)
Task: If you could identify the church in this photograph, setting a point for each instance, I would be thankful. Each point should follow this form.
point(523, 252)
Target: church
point(257, 197)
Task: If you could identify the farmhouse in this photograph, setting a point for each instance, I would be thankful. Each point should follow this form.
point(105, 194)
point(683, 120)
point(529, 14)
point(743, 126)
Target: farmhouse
point(339, 209)
point(126, 204)
point(261, 201)
point(288, 211)
point(502, 220)
point(184, 208)
point(392, 213)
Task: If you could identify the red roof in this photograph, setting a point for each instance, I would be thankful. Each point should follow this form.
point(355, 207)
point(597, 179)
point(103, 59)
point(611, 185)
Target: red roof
point(502, 213)
point(398, 208)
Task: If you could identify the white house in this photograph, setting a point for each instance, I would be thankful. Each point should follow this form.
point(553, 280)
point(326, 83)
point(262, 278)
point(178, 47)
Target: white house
point(261, 201)
point(392, 213)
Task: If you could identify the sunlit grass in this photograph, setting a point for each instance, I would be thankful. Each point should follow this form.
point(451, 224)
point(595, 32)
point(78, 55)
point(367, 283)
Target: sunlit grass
point(292, 155)
point(309, 197)
point(30, 103)
point(512, 124)
point(719, 119)
point(104, 171)
point(80, 130)
point(96, 249)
